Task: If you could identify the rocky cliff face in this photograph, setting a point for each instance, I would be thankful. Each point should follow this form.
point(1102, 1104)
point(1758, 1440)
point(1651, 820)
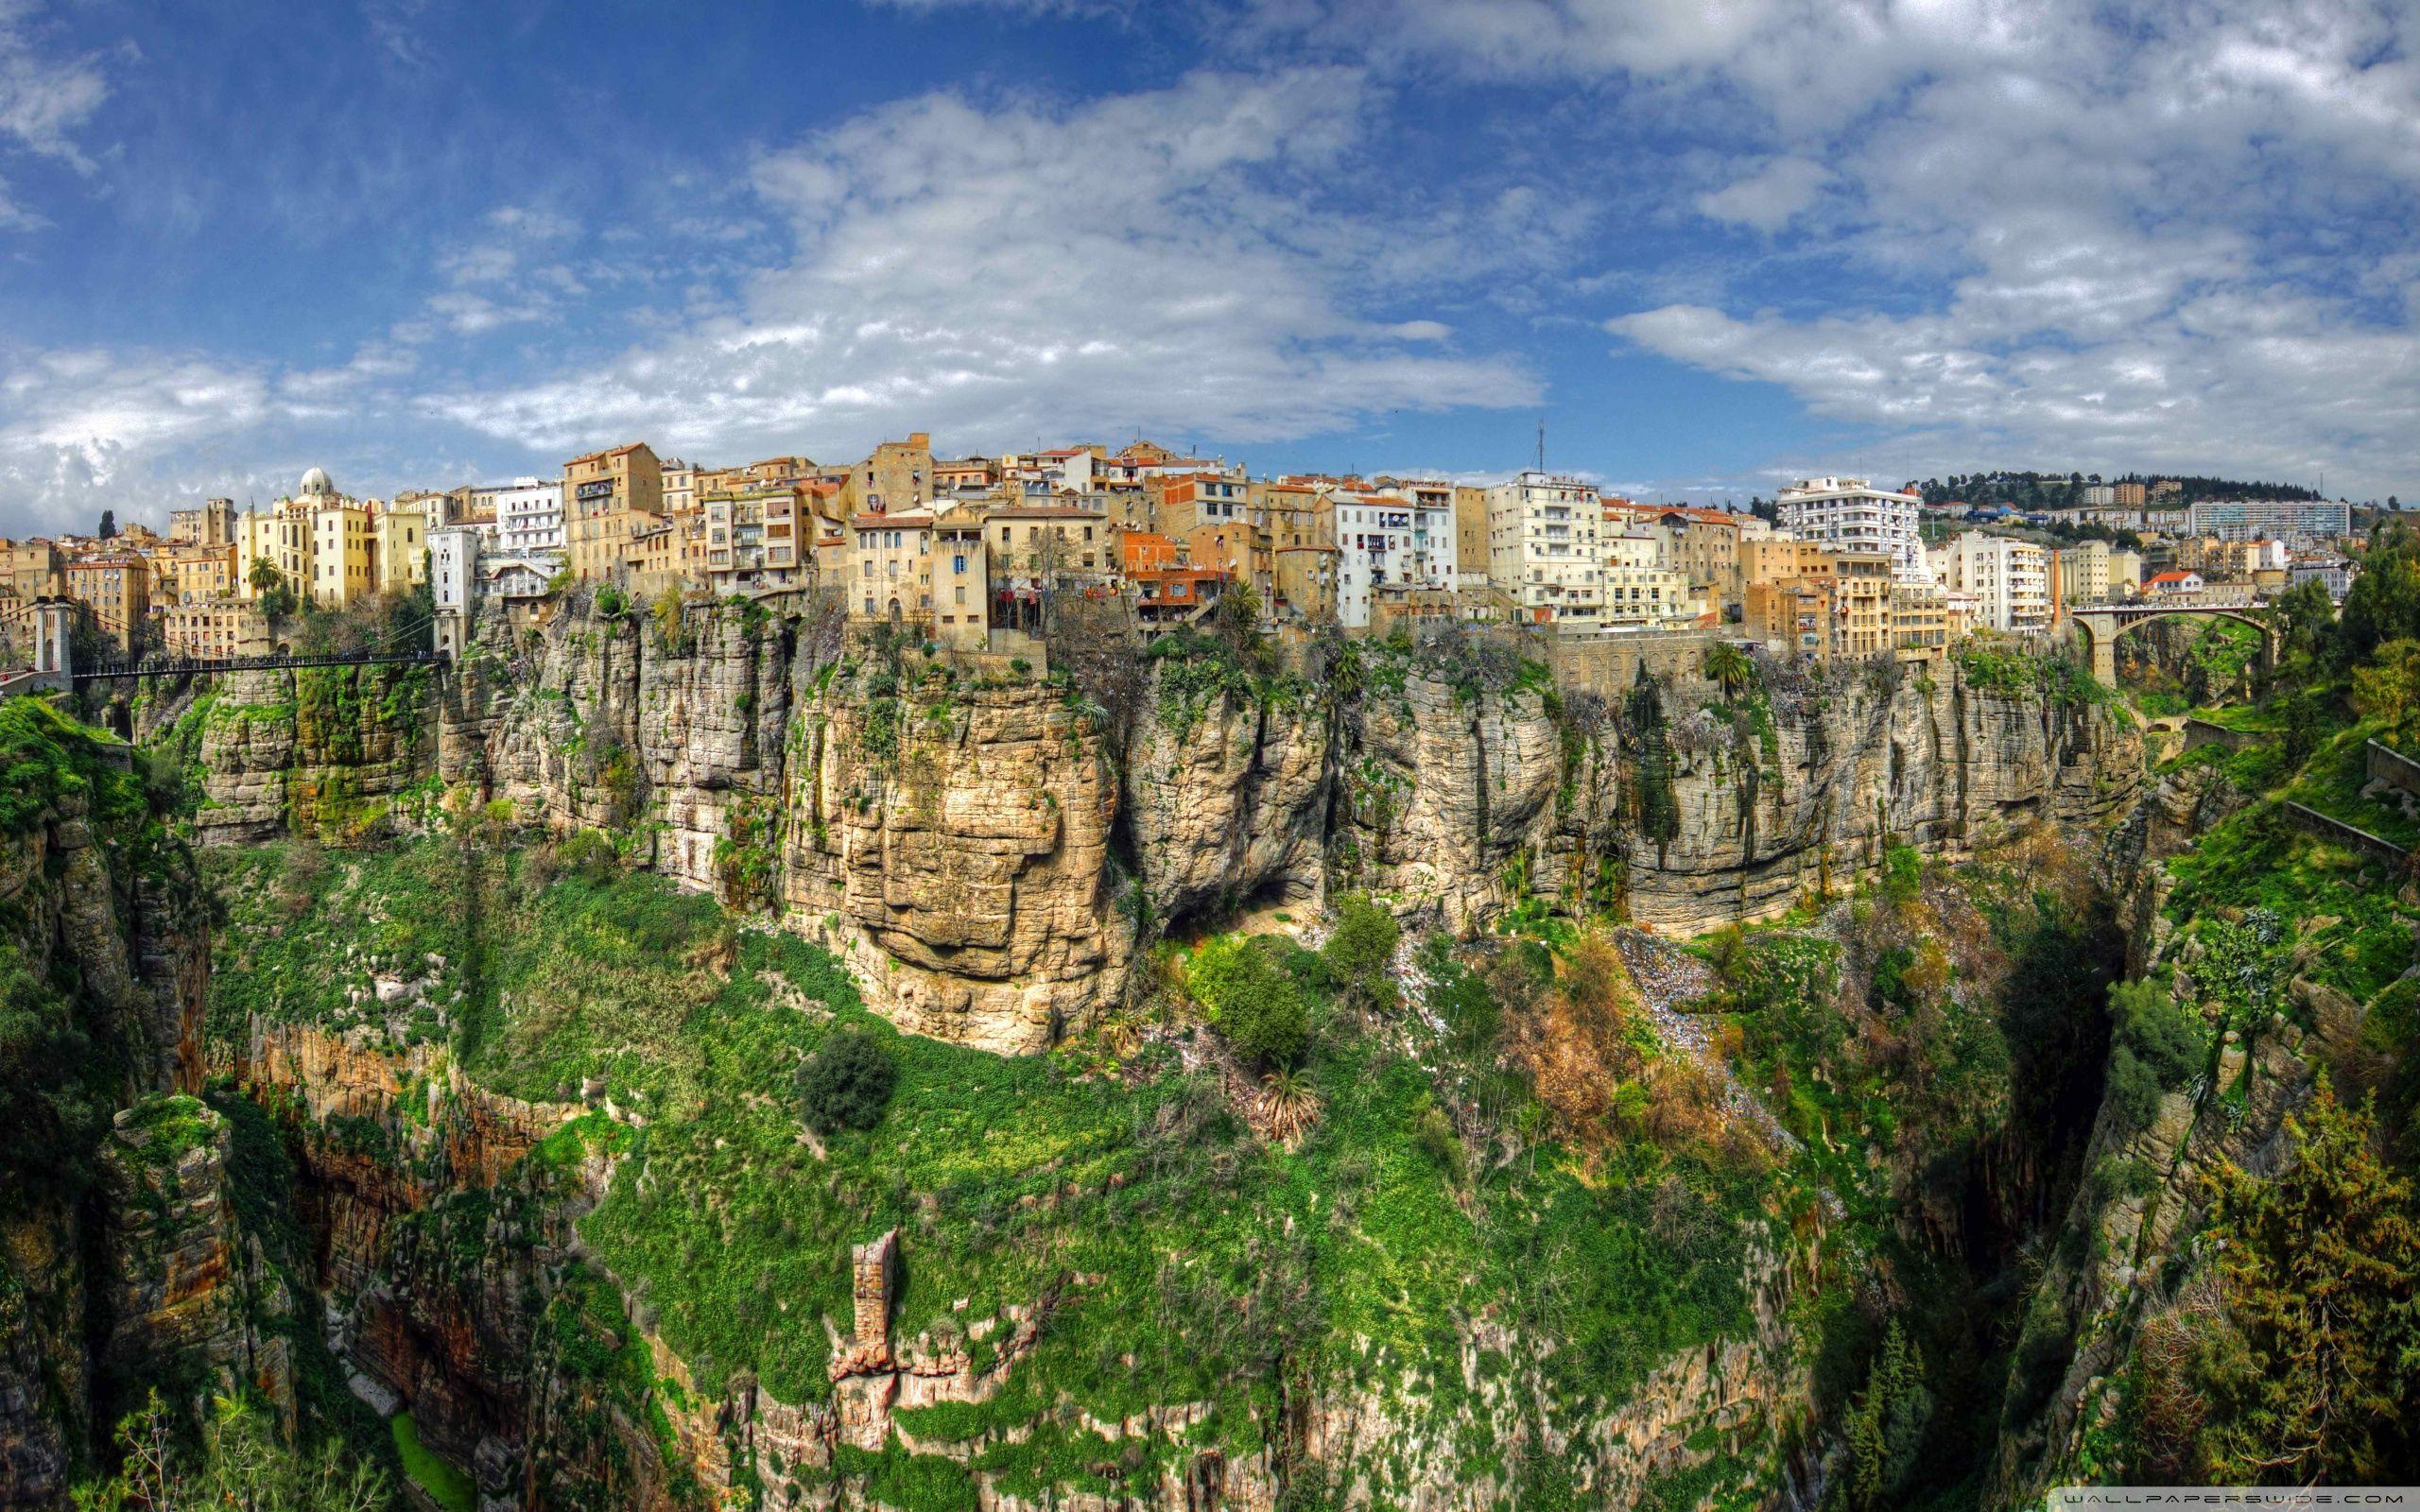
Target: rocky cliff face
point(104, 954)
point(968, 843)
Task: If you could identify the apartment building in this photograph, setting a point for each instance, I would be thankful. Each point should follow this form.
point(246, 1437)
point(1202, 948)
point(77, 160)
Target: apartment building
point(1794, 614)
point(182, 573)
point(2009, 578)
point(1306, 577)
point(892, 575)
point(528, 515)
point(1470, 538)
point(2294, 520)
point(609, 498)
point(964, 475)
point(2125, 573)
point(1184, 502)
point(1920, 629)
point(399, 546)
point(219, 626)
point(116, 588)
point(1238, 548)
point(30, 569)
point(1778, 559)
point(1850, 514)
point(754, 536)
point(1387, 540)
point(2079, 573)
point(962, 580)
point(1703, 545)
point(279, 537)
point(1543, 533)
point(1861, 584)
point(340, 553)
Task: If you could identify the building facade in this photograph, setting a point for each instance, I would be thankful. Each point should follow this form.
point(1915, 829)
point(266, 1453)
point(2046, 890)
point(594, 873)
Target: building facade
point(1851, 515)
point(1543, 551)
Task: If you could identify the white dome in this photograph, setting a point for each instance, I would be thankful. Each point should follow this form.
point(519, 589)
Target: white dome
point(315, 482)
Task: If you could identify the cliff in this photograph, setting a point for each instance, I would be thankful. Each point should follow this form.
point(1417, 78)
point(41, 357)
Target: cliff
point(118, 1265)
point(969, 840)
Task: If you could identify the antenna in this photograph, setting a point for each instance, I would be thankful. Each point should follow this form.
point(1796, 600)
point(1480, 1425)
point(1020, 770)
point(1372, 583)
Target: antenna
point(1542, 443)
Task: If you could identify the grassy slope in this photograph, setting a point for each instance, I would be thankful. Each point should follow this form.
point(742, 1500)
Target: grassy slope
point(1206, 1255)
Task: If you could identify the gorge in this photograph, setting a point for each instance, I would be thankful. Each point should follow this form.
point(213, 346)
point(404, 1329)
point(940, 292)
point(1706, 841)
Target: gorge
point(440, 1041)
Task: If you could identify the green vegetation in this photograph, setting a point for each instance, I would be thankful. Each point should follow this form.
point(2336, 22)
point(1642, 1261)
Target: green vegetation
point(447, 1487)
point(846, 1083)
point(1259, 1005)
point(240, 1463)
point(1179, 1256)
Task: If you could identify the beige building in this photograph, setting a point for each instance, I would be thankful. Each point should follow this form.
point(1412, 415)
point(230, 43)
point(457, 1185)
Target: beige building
point(116, 588)
point(213, 627)
point(2079, 573)
point(891, 572)
point(962, 580)
point(30, 569)
point(2009, 578)
point(212, 525)
point(1861, 584)
point(1470, 537)
point(278, 535)
point(610, 498)
point(755, 535)
point(1543, 551)
point(1306, 577)
point(898, 477)
point(1919, 622)
point(192, 572)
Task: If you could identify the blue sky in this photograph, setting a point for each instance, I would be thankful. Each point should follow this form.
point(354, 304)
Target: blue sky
point(1716, 243)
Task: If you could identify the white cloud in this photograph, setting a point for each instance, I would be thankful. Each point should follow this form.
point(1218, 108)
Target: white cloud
point(44, 100)
point(1161, 260)
point(1769, 198)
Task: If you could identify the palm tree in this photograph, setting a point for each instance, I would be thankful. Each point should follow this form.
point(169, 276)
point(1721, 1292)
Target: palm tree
point(1727, 664)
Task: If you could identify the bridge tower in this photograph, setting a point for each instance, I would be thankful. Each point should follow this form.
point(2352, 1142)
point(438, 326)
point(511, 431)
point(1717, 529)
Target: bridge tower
point(54, 639)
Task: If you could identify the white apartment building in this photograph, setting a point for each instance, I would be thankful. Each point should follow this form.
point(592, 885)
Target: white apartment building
point(2264, 518)
point(1390, 539)
point(2009, 578)
point(1850, 514)
point(529, 514)
point(1542, 550)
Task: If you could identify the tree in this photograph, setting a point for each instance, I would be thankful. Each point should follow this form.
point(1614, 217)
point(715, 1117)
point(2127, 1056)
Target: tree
point(2389, 685)
point(1727, 664)
point(2319, 1271)
point(270, 589)
point(1360, 954)
point(1251, 1000)
point(847, 1083)
point(242, 1465)
point(1885, 1426)
point(109, 524)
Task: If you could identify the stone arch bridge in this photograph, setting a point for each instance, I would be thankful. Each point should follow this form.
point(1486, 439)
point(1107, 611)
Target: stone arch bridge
point(2103, 625)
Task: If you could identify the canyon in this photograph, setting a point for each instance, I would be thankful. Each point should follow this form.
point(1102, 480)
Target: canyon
point(995, 857)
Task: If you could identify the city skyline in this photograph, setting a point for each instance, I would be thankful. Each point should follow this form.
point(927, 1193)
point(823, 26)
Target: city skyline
point(420, 246)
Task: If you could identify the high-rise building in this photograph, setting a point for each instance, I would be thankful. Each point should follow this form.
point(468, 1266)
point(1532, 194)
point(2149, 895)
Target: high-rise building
point(1851, 515)
point(2309, 521)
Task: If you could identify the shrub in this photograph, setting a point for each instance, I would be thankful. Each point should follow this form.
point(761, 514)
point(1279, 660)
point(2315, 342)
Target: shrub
point(2157, 1047)
point(1254, 1004)
point(1434, 1133)
point(1902, 873)
point(1361, 951)
point(847, 1083)
point(612, 601)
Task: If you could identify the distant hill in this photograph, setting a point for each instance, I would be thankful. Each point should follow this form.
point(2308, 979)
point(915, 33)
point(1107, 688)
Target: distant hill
point(2063, 490)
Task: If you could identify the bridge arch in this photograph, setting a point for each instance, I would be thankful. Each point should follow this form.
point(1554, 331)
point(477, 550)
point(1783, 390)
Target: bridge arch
point(2104, 627)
